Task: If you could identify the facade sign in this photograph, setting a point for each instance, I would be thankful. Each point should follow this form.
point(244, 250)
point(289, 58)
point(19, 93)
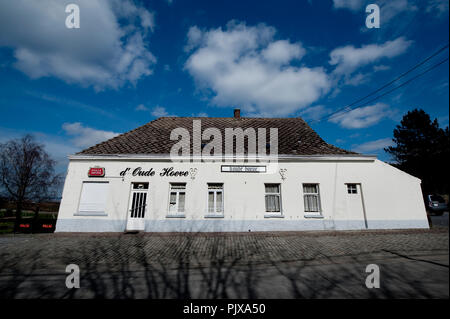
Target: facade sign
point(243, 169)
point(165, 172)
point(96, 172)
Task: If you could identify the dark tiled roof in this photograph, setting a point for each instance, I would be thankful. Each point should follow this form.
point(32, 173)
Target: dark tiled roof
point(295, 136)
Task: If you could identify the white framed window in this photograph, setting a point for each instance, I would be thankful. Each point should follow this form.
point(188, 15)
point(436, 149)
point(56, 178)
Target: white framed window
point(177, 198)
point(215, 199)
point(273, 198)
point(352, 189)
point(311, 198)
point(93, 198)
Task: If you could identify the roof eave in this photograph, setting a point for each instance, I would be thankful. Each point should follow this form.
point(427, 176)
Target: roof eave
point(281, 157)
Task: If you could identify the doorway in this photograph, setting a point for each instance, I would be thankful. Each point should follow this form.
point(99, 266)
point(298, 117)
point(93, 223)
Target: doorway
point(137, 207)
point(355, 203)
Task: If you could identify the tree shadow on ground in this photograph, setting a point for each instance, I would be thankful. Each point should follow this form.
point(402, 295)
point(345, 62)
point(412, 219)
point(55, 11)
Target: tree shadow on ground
point(207, 266)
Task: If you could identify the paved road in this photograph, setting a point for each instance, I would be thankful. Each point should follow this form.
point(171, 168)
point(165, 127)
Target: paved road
point(413, 264)
point(440, 221)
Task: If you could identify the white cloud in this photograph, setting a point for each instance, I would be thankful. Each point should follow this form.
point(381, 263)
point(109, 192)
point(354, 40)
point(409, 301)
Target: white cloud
point(356, 79)
point(353, 5)
point(65, 102)
point(141, 107)
point(348, 59)
point(159, 111)
point(314, 112)
point(194, 38)
point(391, 8)
point(437, 6)
point(362, 117)
point(282, 52)
point(56, 147)
point(84, 136)
point(245, 66)
point(388, 8)
point(381, 67)
point(101, 53)
point(372, 146)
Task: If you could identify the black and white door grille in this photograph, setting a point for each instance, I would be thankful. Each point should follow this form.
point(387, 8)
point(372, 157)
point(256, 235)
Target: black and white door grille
point(139, 203)
point(139, 200)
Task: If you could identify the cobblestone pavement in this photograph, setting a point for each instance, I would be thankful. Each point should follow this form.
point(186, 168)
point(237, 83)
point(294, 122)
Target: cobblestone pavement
point(211, 265)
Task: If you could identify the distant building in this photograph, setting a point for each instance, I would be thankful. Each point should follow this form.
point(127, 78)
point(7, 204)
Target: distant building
point(131, 183)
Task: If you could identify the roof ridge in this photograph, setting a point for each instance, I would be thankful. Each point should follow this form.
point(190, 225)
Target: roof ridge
point(231, 117)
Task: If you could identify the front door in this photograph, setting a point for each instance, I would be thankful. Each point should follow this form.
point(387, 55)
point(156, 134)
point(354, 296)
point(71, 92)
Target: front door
point(355, 204)
point(137, 207)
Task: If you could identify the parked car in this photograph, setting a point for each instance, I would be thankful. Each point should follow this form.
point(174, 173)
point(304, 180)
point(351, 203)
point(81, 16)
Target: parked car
point(435, 204)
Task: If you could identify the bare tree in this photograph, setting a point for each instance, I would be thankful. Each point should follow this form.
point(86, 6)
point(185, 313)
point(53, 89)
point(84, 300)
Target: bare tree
point(26, 173)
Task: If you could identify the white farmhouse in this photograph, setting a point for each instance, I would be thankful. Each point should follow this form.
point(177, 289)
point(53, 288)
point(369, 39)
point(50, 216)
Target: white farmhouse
point(132, 183)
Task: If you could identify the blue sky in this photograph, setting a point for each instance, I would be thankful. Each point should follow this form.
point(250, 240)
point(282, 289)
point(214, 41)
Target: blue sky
point(131, 62)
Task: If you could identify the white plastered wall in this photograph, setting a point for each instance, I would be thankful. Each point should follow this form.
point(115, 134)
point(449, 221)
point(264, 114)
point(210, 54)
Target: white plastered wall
point(392, 198)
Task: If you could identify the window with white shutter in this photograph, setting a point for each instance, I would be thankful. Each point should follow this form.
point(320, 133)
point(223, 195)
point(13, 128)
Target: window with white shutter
point(93, 198)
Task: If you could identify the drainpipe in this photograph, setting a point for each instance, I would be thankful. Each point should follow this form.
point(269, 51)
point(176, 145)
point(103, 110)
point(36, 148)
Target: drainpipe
point(332, 222)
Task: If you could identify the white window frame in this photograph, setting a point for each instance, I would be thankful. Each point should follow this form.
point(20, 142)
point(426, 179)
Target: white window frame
point(215, 213)
point(102, 212)
point(273, 214)
point(177, 213)
point(319, 202)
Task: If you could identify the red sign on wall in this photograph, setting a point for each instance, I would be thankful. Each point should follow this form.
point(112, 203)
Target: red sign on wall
point(96, 172)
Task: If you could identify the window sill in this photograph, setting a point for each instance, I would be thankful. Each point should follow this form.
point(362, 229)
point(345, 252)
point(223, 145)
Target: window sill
point(313, 215)
point(214, 216)
point(90, 214)
point(273, 215)
point(176, 216)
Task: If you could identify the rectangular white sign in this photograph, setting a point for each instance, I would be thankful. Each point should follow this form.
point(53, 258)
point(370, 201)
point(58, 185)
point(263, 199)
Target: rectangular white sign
point(243, 169)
